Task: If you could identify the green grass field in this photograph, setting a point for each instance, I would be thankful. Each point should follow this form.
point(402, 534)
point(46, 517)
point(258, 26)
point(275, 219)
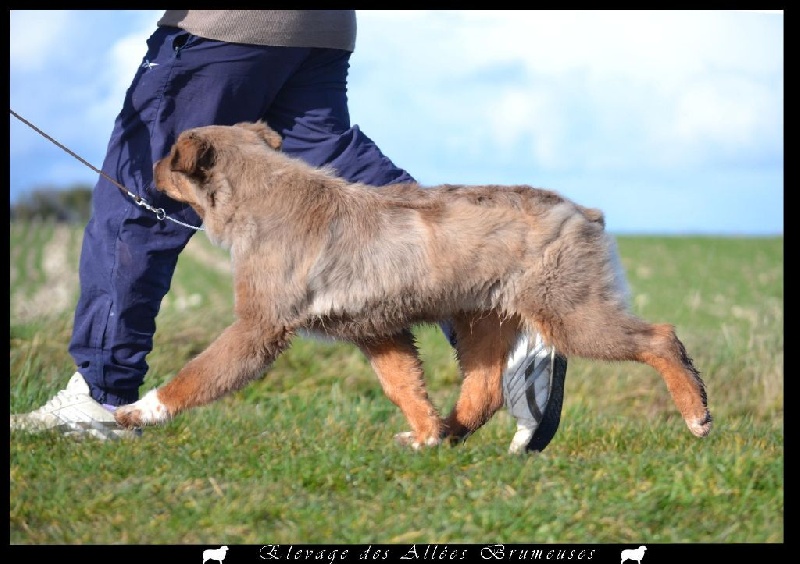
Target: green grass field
point(305, 455)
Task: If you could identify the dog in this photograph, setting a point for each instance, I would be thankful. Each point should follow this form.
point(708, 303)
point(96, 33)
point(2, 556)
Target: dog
point(312, 252)
point(633, 554)
point(215, 554)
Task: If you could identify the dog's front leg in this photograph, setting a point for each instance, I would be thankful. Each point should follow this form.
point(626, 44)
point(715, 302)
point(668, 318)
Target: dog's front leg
point(399, 369)
point(240, 354)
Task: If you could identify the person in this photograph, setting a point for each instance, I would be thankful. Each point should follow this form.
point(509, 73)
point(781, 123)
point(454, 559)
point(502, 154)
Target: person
point(288, 68)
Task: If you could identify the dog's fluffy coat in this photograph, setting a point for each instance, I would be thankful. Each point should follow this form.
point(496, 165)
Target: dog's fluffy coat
point(314, 252)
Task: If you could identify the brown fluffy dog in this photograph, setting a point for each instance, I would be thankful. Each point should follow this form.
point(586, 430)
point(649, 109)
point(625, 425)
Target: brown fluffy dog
point(314, 252)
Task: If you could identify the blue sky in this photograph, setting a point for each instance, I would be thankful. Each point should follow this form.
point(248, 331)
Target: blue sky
point(670, 121)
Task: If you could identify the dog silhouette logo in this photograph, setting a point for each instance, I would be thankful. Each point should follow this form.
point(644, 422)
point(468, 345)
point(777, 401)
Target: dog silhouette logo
point(633, 554)
point(217, 554)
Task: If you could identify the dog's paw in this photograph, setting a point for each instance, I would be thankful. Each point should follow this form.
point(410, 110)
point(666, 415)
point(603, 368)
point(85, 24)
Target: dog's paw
point(407, 438)
point(522, 437)
point(700, 427)
point(147, 411)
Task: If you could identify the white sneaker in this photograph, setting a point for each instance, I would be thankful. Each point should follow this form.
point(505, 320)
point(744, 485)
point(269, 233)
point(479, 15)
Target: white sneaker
point(533, 390)
point(73, 412)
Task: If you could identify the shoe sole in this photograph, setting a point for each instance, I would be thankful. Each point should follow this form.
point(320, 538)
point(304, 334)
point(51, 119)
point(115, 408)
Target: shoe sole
point(80, 431)
point(551, 418)
point(101, 432)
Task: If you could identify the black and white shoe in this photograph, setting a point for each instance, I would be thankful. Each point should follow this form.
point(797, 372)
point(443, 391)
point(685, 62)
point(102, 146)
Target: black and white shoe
point(533, 388)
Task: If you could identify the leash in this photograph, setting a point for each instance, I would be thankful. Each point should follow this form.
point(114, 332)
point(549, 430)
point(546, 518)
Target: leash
point(161, 215)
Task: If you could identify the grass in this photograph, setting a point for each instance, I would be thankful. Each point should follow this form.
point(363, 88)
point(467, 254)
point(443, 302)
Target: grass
point(305, 455)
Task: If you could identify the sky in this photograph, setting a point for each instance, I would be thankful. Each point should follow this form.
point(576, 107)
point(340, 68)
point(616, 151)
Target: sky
point(669, 121)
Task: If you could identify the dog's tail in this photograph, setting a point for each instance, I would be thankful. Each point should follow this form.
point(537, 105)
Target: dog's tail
point(620, 278)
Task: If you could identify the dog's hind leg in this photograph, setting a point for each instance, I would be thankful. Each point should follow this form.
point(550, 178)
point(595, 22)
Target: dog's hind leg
point(239, 355)
point(396, 362)
point(604, 332)
point(668, 356)
point(483, 344)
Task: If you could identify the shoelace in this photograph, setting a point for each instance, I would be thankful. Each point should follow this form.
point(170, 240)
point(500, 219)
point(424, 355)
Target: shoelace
point(54, 402)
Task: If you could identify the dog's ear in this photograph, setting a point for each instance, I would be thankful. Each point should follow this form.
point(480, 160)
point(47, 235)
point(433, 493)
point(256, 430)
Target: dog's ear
point(271, 137)
point(194, 156)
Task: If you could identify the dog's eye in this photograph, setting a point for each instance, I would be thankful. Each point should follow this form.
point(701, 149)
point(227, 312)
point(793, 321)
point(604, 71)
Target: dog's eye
point(175, 161)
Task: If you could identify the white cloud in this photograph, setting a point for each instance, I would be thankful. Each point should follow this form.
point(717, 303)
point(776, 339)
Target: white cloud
point(728, 113)
point(36, 36)
point(584, 88)
point(120, 64)
point(515, 110)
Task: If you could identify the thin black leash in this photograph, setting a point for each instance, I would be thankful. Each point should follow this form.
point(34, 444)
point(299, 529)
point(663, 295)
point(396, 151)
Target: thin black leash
point(138, 200)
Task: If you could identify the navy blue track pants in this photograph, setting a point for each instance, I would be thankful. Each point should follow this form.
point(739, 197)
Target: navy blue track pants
point(128, 255)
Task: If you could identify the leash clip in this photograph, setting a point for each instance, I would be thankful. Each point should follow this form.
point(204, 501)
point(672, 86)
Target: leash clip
point(160, 213)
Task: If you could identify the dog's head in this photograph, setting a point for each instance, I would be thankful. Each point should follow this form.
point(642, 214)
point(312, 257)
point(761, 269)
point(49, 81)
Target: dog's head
point(187, 173)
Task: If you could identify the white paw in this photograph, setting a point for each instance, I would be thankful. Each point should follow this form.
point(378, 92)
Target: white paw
point(522, 437)
point(147, 411)
point(700, 427)
point(406, 438)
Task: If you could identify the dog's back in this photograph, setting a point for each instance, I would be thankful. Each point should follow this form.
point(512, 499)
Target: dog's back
point(525, 198)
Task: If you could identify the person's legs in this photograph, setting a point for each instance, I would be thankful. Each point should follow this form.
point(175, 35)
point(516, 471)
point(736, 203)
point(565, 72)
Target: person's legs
point(129, 256)
point(311, 113)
